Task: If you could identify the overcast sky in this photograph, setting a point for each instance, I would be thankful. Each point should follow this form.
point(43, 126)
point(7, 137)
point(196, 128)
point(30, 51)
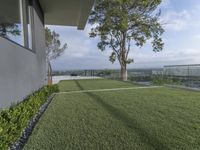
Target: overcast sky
point(181, 37)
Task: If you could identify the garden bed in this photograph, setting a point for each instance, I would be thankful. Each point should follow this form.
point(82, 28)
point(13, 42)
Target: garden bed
point(14, 121)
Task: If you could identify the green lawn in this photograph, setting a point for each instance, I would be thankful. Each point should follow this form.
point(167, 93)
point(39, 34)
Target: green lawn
point(73, 85)
point(141, 119)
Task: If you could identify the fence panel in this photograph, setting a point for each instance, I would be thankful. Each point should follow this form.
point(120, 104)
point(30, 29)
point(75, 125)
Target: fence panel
point(188, 75)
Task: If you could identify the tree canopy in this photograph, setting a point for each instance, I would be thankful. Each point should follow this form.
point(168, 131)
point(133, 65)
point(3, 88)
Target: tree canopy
point(54, 48)
point(121, 23)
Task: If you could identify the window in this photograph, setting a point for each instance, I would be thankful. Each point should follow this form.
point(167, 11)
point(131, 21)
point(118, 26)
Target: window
point(10, 21)
point(16, 22)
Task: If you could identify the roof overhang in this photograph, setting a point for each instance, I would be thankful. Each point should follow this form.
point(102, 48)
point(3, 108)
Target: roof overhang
point(66, 12)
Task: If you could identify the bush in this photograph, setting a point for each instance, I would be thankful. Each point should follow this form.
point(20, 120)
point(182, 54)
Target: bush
point(161, 80)
point(140, 78)
point(13, 121)
point(73, 74)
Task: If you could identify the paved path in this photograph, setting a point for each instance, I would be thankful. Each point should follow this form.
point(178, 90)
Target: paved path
point(57, 79)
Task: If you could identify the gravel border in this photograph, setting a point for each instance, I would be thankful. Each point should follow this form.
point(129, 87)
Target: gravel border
point(28, 130)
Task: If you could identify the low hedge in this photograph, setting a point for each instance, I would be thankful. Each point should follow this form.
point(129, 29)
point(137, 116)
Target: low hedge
point(13, 121)
point(163, 79)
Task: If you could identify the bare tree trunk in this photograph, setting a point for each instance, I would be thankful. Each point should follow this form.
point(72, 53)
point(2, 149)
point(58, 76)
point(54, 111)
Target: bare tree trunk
point(49, 73)
point(123, 57)
point(123, 73)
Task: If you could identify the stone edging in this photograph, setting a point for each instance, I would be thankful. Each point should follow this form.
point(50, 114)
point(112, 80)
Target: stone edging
point(28, 130)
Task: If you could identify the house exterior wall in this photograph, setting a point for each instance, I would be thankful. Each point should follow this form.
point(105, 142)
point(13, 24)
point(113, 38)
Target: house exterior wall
point(22, 71)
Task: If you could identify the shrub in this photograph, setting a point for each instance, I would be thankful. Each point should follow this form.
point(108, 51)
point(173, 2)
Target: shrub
point(161, 80)
point(13, 121)
point(73, 74)
point(140, 78)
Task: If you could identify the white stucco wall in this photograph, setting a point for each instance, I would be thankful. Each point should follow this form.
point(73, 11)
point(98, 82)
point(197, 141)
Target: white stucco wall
point(21, 71)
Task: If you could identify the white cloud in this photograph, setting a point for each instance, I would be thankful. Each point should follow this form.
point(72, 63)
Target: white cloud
point(176, 20)
point(165, 3)
point(197, 37)
point(166, 57)
point(195, 21)
point(179, 20)
point(181, 45)
point(79, 43)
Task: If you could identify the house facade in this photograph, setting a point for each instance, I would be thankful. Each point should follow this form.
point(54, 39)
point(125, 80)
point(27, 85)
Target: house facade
point(22, 42)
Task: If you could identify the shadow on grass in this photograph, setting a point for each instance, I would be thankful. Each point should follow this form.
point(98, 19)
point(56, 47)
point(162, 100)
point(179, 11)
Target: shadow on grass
point(128, 122)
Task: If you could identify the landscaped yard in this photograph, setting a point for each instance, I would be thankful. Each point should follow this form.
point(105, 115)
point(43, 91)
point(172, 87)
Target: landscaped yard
point(155, 118)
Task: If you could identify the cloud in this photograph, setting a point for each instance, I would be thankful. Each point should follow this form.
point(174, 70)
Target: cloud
point(197, 37)
point(180, 20)
point(166, 57)
point(181, 44)
point(165, 3)
point(142, 57)
point(79, 43)
point(195, 21)
point(177, 21)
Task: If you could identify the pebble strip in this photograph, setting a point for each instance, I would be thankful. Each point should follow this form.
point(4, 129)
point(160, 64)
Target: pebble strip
point(28, 130)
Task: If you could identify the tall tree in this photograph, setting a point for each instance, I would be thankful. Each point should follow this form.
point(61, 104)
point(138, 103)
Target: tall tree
point(121, 23)
point(53, 49)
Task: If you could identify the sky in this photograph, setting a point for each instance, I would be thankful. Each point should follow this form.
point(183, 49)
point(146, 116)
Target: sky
point(181, 38)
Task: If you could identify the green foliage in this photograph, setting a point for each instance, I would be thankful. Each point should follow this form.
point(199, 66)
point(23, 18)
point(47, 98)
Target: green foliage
point(121, 23)
point(53, 44)
point(53, 48)
point(14, 120)
point(140, 78)
point(162, 79)
point(105, 73)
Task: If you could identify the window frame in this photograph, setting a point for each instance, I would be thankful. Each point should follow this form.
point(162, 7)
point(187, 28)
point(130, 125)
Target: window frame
point(23, 15)
point(30, 10)
point(27, 15)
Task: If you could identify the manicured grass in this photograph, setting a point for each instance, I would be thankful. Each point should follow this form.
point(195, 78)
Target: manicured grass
point(141, 119)
point(92, 84)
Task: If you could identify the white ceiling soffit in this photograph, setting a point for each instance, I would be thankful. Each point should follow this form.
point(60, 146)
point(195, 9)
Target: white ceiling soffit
point(67, 12)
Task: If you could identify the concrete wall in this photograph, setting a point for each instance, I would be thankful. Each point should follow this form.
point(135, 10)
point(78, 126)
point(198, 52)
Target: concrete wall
point(22, 71)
